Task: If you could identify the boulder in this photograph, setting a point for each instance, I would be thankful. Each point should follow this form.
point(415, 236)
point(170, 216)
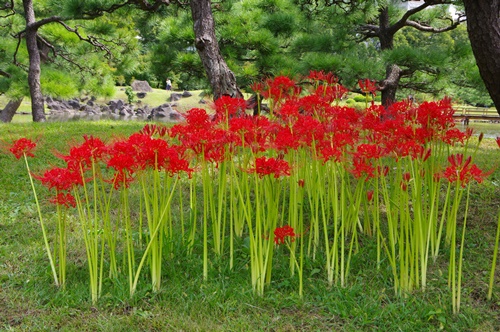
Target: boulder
point(141, 95)
point(165, 111)
point(175, 96)
point(186, 94)
point(142, 86)
point(115, 104)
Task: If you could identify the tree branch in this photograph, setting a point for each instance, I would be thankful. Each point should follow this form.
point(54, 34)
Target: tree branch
point(426, 28)
point(89, 39)
point(8, 6)
point(4, 73)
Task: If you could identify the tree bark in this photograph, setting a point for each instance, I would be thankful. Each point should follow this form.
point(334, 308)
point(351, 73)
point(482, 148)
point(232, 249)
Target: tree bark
point(389, 86)
point(222, 79)
point(483, 26)
point(10, 109)
point(37, 103)
point(386, 34)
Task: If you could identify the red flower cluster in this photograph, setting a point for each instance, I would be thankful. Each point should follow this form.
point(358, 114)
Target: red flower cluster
point(281, 233)
point(227, 107)
point(462, 170)
point(267, 166)
point(23, 146)
point(307, 124)
point(368, 86)
point(63, 199)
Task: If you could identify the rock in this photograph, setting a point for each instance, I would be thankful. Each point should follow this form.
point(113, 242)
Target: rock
point(74, 104)
point(115, 104)
point(142, 86)
point(186, 94)
point(175, 116)
point(165, 111)
point(175, 96)
point(141, 95)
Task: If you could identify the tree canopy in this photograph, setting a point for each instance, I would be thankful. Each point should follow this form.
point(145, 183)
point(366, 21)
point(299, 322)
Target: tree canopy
point(89, 47)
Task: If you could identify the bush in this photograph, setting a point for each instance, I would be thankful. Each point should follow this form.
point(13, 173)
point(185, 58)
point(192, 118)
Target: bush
point(361, 99)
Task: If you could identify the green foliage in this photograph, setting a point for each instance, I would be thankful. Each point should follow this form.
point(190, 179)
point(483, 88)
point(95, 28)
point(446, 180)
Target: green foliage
point(57, 83)
point(130, 94)
point(280, 24)
point(361, 99)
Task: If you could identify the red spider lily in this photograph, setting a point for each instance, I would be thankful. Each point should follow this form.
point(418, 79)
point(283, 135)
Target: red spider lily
point(480, 138)
point(81, 157)
point(301, 183)
point(362, 167)
point(123, 155)
point(433, 116)
point(462, 170)
point(328, 150)
point(255, 132)
point(285, 140)
point(290, 110)
point(337, 91)
point(153, 129)
point(454, 135)
point(257, 87)
point(498, 141)
point(368, 86)
point(157, 154)
point(59, 178)
point(267, 166)
point(370, 151)
point(307, 130)
point(405, 180)
point(314, 105)
point(320, 76)
point(280, 87)
point(23, 146)
point(369, 195)
point(227, 107)
point(64, 199)
point(197, 118)
point(281, 233)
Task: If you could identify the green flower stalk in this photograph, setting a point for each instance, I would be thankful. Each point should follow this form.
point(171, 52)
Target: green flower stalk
point(494, 260)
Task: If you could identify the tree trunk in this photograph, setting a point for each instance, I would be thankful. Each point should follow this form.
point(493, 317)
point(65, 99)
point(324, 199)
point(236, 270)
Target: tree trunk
point(386, 35)
point(483, 26)
point(390, 84)
point(37, 104)
point(10, 109)
point(221, 78)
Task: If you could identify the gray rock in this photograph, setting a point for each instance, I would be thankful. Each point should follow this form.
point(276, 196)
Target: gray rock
point(175, 96)
point(142, 86)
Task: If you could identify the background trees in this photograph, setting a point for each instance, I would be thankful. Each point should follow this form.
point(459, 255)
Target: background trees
point(87, 47)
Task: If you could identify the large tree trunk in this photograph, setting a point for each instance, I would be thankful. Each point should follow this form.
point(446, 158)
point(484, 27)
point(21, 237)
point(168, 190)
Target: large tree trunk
point(10, 109)
point(37, 104)
point(389, 85)
point(386, 35)
point(483, 26)
point(221, 78)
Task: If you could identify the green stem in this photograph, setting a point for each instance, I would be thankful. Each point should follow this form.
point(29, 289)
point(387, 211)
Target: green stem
point(44, 232)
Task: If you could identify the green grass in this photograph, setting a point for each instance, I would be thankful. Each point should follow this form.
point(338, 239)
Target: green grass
point(29, 302)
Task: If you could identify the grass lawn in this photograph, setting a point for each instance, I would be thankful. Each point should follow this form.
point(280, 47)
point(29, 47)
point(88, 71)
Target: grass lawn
point(225, 302)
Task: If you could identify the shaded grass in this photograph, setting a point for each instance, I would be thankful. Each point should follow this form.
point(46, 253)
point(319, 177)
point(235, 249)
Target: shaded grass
point(28, 301)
